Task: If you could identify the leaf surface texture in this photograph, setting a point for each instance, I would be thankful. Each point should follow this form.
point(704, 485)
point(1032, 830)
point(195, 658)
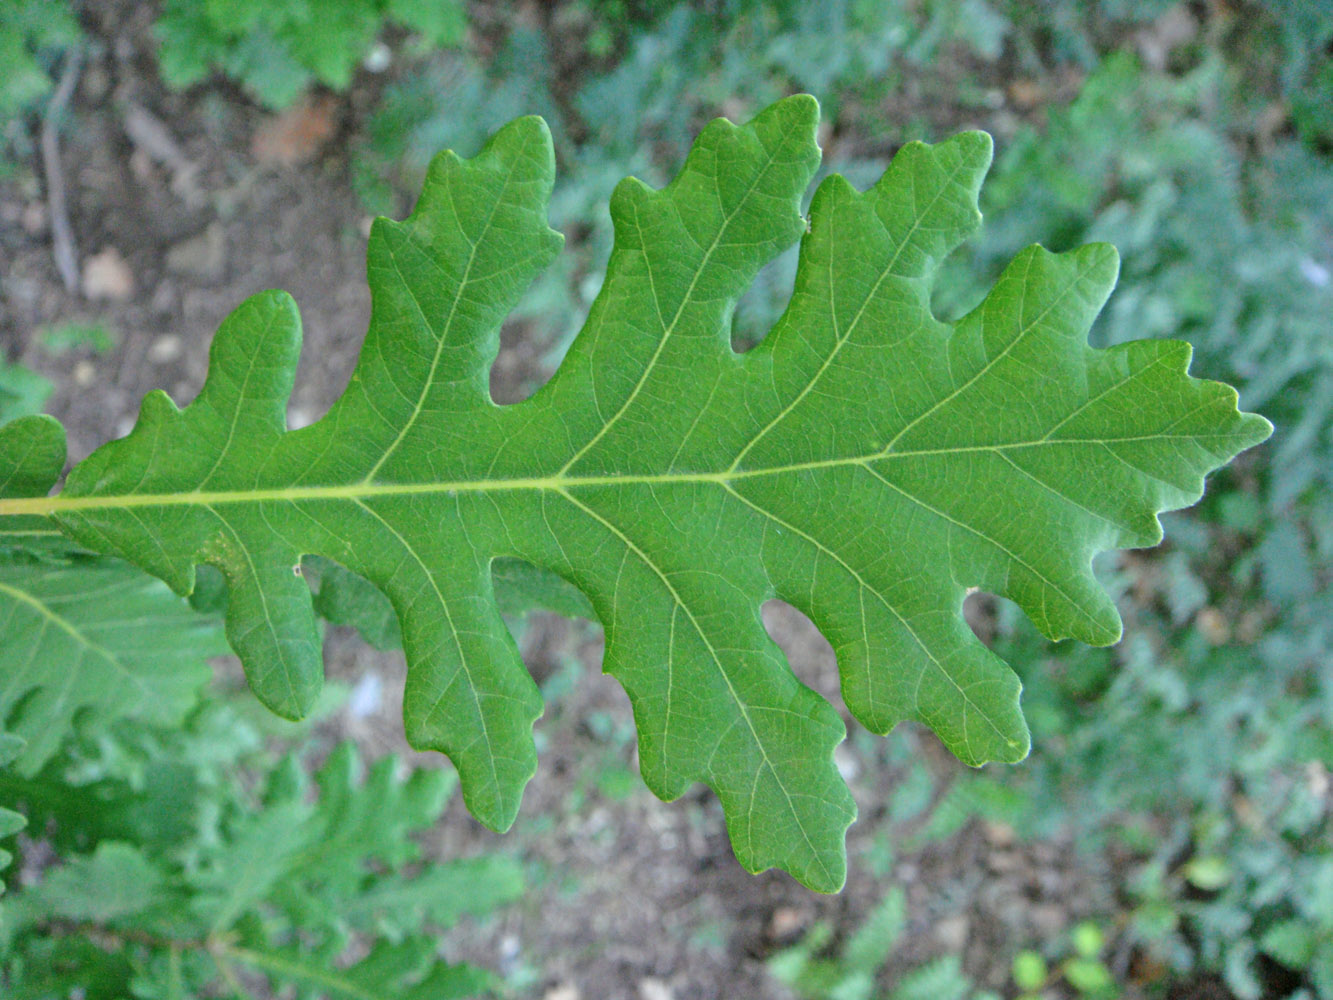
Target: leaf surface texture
point(866, 463)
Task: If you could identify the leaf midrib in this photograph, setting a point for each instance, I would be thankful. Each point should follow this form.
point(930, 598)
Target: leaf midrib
point(46, 506)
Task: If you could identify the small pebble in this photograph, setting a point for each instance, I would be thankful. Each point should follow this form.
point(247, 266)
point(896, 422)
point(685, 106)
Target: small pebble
point(998, 834)
point(34, 218)
point(202, 256)
point(106, 275)
point(787, 922)
point(366, 696)
point(951, 933)
point(164, 349)
point(848, 766)
point(1213, 626)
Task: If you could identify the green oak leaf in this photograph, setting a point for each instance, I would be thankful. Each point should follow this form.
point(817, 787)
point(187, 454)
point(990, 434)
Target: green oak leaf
point(116, 881)
point(866, 463)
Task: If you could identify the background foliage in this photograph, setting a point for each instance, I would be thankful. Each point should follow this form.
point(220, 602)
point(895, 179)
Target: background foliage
point(1194, 759)
point(193, 860)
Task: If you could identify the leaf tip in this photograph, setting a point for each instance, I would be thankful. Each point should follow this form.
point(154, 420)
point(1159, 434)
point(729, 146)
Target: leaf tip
point(276, 299)
point(1012, 747)
point(528, 136)
point(496, 812)
point(1015, 748)
point(1245, 430)
point(976, 146)
point(792, 118)
point(1254, 429)
point(800, 107)
point(825, 874)
point(157, 405)
point(1101, 262)
point(830, 883)
point(1021, 749)
point(32, 455)
point(39, 424)
point(628, 196)
point(1111, 630)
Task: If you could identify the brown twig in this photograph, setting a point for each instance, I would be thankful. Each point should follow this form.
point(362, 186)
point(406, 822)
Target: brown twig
point(62, 239)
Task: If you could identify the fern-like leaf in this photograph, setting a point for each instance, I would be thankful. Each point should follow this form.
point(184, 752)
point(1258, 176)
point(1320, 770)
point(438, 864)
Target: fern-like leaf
point(93, 640)
point(941, 979)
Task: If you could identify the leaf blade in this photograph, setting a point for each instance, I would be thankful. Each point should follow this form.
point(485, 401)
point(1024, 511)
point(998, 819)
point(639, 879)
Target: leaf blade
point(866, 463)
